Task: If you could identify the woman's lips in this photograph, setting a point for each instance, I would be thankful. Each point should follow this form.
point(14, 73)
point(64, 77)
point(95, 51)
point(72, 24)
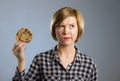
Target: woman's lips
point(67, 38)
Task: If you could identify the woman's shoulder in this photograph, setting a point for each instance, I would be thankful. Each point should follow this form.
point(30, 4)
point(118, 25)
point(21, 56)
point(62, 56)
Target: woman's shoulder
point(44, 54)
point(84, 58)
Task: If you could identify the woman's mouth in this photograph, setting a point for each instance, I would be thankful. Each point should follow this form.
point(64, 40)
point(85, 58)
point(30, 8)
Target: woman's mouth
point(67, 38)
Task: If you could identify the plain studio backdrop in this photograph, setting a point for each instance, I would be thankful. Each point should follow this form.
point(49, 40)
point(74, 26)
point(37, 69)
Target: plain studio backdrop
point(101, 39)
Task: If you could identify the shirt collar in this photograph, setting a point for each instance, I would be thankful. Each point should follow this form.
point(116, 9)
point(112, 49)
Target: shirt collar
point(78, 56)
point(54, 55)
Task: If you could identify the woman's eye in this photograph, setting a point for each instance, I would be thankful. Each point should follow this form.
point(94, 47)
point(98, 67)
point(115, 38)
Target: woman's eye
point(72, 26)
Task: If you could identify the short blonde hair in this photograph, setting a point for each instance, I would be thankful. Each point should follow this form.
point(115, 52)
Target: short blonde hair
point(63, 13)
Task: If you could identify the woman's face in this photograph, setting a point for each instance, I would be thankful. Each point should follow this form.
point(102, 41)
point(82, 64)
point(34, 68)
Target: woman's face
point(67, 31)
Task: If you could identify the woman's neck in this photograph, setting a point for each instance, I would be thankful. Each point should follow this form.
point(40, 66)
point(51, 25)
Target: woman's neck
point(66, 54)
point(66, 50)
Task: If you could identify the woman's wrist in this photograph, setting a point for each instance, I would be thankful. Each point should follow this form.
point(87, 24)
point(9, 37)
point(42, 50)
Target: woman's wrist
point(21, 66)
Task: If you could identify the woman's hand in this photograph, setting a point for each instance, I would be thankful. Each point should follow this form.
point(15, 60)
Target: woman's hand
point(18, 51)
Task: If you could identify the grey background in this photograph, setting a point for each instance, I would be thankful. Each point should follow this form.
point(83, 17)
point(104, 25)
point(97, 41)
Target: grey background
point(100, 40)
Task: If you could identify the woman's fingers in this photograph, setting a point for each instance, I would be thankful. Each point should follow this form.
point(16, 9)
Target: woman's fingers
point(18, 48)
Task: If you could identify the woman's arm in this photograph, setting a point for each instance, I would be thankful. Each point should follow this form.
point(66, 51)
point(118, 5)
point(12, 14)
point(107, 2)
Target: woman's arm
point(18, 51)
point(33, 73)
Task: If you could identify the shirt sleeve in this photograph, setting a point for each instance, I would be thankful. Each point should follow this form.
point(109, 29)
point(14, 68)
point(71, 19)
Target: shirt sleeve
point(94, 74)
point(33, 73)
point(18, 75)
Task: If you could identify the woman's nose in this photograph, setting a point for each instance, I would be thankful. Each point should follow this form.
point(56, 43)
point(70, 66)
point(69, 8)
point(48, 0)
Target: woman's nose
point(66, 30)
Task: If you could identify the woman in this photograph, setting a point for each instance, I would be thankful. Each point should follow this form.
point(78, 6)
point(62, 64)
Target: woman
point(64, 62)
